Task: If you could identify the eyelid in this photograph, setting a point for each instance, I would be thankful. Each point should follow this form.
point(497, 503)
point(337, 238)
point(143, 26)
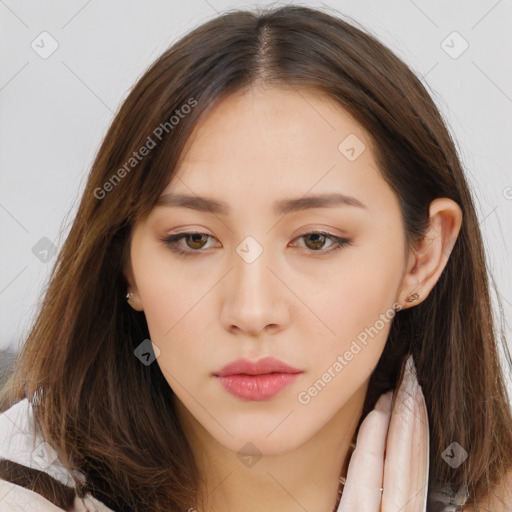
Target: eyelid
point(338, 242)
point(172, 242)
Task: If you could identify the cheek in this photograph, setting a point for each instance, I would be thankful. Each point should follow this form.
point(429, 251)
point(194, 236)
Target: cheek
point(168, 292)
point(356, 304)
point(167, 301)
point(177, 329)
point(359, 309)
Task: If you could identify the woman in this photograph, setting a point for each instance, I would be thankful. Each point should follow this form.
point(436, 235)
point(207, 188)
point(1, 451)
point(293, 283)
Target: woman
point(276, 260)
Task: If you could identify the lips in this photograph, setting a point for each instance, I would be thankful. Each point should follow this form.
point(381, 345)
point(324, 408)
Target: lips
point(261, 367)
point(260, 380)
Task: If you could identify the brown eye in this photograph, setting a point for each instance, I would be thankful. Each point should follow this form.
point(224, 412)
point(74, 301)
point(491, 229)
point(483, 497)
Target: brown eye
point(317, 240)
point(198, 240)
point(194, 242)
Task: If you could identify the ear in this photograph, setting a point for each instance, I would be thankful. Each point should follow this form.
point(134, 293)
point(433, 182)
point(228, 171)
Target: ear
point(428, 259)
point(134, 300)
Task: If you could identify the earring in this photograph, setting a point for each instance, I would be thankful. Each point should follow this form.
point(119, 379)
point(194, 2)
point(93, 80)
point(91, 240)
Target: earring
point(412, 297)
point(128, 295)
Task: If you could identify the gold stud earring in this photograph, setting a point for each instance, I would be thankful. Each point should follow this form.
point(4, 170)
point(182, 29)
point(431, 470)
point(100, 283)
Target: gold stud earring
point(412, 297)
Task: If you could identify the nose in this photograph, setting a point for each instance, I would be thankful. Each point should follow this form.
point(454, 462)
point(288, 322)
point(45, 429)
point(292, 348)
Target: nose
point(254, 296)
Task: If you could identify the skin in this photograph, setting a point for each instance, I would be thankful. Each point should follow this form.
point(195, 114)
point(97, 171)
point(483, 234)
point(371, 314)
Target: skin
point(298, 301)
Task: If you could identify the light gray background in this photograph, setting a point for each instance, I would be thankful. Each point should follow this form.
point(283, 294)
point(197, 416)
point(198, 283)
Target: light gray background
point(55, 110)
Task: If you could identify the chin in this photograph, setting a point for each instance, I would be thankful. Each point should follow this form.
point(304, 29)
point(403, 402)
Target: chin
point(252, 442)
point(259, 447)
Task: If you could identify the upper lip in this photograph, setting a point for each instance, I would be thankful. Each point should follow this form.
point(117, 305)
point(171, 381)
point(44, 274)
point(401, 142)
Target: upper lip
point(260, 367)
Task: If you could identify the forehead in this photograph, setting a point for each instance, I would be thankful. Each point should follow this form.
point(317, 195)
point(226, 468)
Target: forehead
point(290, 123)
point(280, 142)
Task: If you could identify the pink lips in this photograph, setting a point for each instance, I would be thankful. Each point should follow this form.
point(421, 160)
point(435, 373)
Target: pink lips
point(258, 380)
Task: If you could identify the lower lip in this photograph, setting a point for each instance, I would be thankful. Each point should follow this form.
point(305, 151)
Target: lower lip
point(257, 387)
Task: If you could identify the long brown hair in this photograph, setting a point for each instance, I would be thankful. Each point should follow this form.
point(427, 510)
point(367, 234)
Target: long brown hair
point(111, 416)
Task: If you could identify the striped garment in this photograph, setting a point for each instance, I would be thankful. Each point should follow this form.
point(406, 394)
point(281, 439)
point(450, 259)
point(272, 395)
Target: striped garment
point(28, 464)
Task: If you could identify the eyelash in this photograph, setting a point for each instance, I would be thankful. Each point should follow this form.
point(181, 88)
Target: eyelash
point(172, 242)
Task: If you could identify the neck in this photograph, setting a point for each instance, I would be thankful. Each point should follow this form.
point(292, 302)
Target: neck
point(307, 477)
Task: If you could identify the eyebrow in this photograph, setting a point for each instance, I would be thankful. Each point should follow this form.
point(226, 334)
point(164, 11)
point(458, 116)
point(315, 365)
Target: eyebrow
point(282, 206)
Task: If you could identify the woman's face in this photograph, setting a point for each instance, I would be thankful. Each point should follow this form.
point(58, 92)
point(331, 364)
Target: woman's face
point(257, 282)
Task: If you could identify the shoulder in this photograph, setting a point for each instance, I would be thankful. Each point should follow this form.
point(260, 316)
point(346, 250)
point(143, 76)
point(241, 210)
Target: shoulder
point(15, 498)
point(499, 498)
point(22, 445)
point(32, 477)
